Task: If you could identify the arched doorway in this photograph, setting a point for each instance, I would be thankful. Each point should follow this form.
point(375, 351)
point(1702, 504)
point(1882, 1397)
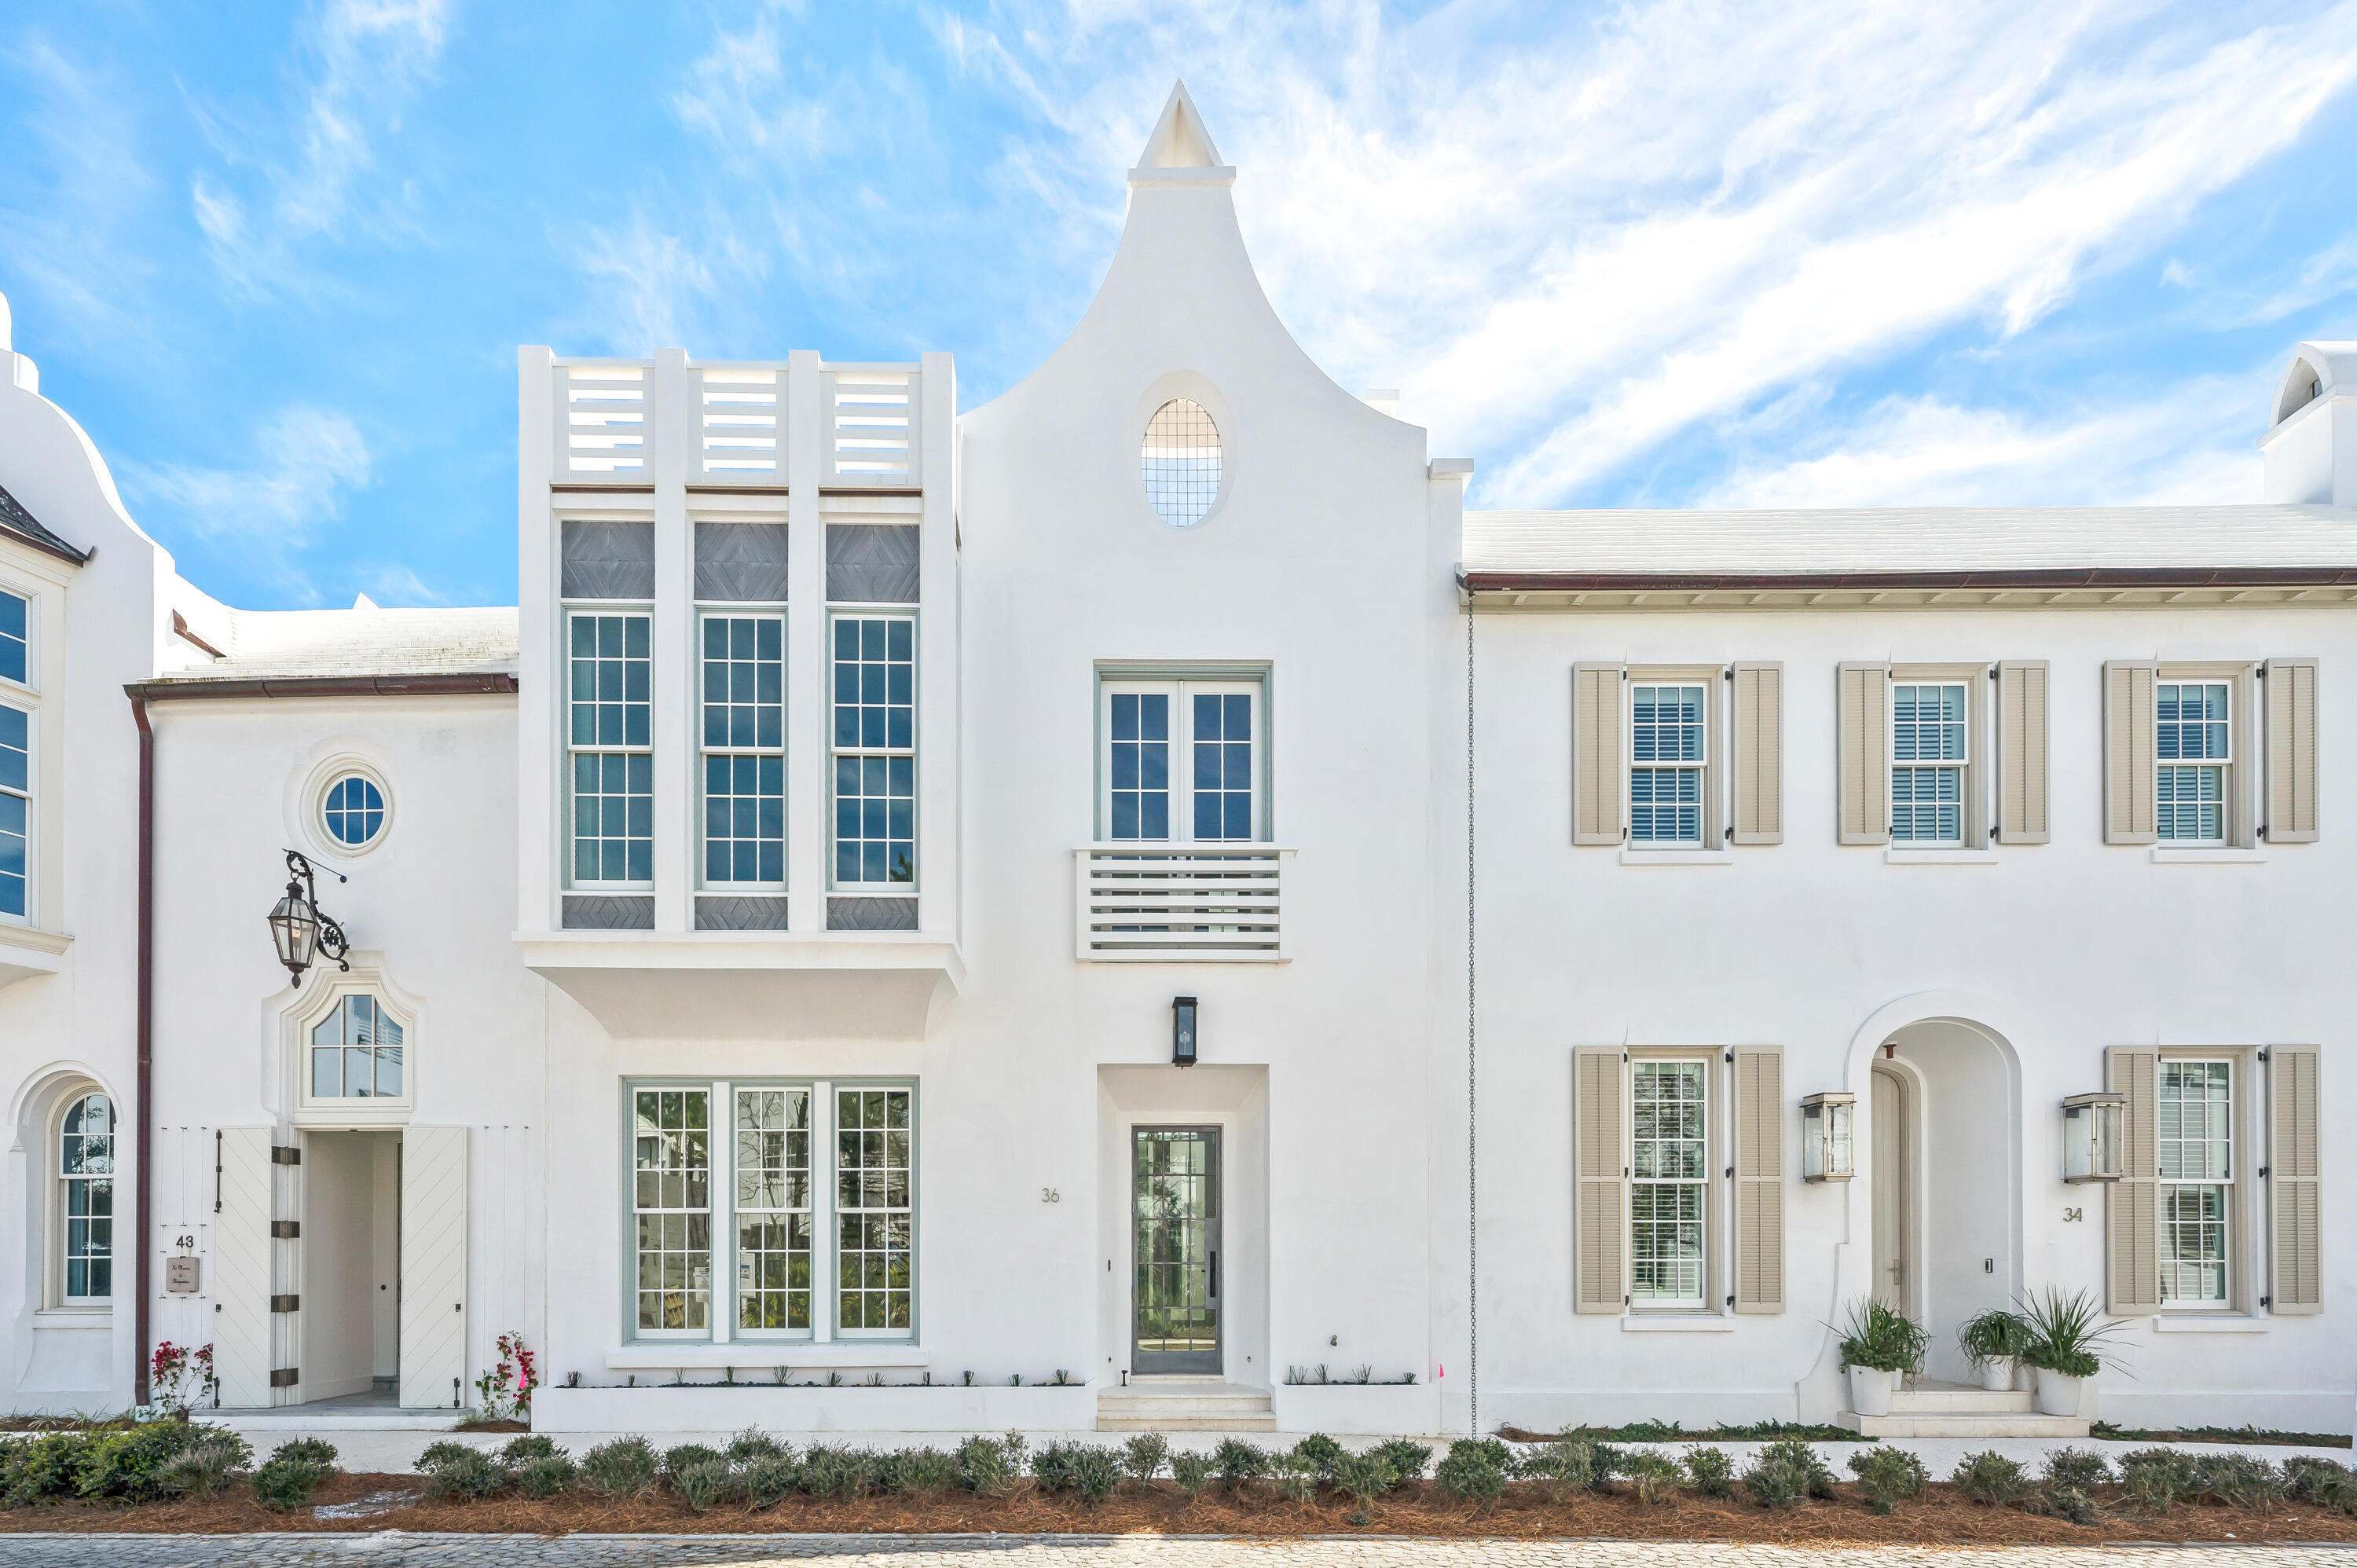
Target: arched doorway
point(1893, 1199)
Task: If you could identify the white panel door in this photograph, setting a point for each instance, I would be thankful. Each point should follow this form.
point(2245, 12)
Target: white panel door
point(432, 1266)
point(242, 1249)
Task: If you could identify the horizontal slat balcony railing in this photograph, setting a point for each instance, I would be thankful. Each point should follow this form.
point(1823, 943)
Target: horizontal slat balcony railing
point(734, 423)
point(1181, 903)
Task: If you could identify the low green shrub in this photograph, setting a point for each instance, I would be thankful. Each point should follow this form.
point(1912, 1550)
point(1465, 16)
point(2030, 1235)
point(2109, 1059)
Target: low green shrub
point(131, 1465)
point(766, 1482)
point(1888, 1476)
point(1293, 1477)
point(531, 1445)
point(307, 1451)
point(703, 1484)
point(676, 1459)
point(922, 1472)
point(2068, 1503)
point(471, 1474)
point(1321, 1453)
point(436, 1454)
point(1365, 1476)
point(1561, 1468)
point(1052, 1468)
point(1144, 1455)
point(283, 1483)
point(1406, 1457)
point(753, 1443)
point(1239, 1462)
point(1192, 1472)
point(1993, 1481)
point(1654, 1479)
point(2239, 1481)
point(846, 1473)
point(1095, 1471)
point(205, 1466)
point(545, 1475)
point(2081, 1469)
point(2158, 1478)
point(986, 1467)
point(1710, 1472)
point(2321, 1482)
point(1785, 1471)
point(624, 1469)
point(1474, 1471)
point(39, 1469)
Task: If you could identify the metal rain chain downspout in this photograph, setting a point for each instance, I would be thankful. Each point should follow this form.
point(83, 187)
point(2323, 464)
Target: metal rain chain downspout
point(299, 928)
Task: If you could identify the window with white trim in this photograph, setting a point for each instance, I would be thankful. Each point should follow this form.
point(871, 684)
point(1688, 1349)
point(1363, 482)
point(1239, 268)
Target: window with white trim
point(743, 746)
point(874, 746)
point(1180, 761)
point(611, 741)
point(1667, 726)
point(1928, 763)
point(2195, 1142)
point(16, 637)
point(85, 1152)
point(356, 1052)
point(738, 1228)
point(1669, 1191)
point(2193, 732)
point(15, 813)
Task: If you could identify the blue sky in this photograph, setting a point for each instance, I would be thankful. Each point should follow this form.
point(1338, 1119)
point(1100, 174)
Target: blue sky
point(1663, 252)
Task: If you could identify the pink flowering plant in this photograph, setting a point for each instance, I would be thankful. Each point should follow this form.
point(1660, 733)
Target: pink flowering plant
point(174, 1371)
point(504, 1393)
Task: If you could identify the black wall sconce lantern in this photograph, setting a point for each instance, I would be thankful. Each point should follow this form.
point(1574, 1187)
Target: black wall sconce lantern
point(1182, 1031)
point(299, 928)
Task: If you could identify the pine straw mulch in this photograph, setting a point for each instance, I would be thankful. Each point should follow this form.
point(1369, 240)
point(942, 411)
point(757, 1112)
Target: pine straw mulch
point(1939, 1518)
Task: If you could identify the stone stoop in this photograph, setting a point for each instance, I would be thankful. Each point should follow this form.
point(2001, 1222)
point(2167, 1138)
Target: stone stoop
point(1932, 1409)
point(1184, 1404)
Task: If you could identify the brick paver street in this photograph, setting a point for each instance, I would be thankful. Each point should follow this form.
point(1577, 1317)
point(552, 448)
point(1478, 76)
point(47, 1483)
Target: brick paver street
point(440, 1551)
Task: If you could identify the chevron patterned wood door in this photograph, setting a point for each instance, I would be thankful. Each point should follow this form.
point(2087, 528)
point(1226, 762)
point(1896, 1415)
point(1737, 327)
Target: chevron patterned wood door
point(432, 1266)
point(242, 1269)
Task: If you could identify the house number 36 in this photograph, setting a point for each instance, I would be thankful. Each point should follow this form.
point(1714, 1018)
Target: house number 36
point(2072, 1216)
point(1050, 1195)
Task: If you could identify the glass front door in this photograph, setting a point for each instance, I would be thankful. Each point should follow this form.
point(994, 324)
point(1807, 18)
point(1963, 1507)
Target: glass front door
point(1175, 1187)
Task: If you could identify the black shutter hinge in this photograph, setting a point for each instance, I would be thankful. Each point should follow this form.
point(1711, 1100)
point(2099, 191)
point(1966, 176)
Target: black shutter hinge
point(1730, 1173)
point(2267, 1301)
point(1731, 1301)
point(285, 1229)
point(2263, 1053)
point(2262, 1173)
point(286, 1303)
point(286, 1154)
point(286, 1377)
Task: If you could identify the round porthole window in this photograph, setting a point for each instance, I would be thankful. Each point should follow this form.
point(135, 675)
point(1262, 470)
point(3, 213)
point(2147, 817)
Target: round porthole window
point(354, 811)
point(1180, 460)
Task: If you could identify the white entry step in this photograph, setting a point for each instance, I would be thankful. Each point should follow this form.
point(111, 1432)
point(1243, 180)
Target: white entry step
point(1934, 1409)
point(1184, 1404)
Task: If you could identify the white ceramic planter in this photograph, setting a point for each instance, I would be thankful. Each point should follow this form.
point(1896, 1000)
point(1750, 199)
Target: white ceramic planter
point(2058, 1394)
point(1869, 1390)
point(1998, 1374)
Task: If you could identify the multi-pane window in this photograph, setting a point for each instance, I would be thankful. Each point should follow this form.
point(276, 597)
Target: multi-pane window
point(744, 748)
point(2193, 736)
point(1669, 1170)
point(1666, 772)
point(15, 638)
point(742, 1222)
point(1927, 763)
point(612, 738)
point(353, 811)
point(671, 1155)
point(1181, 761)
point(773, 1209)
point(874, 1208)
point(356, 1052)
point(2196, 1145)
point(86, 1171)
point(16, 808)
point(874, 748)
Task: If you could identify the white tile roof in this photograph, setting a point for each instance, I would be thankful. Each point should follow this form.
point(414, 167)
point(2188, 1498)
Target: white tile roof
point(1910, 539)
point(282, 645)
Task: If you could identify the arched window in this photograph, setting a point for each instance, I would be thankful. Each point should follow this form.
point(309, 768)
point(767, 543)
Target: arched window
point(356, 1052)
point(1179, 461)
point(86, 1175)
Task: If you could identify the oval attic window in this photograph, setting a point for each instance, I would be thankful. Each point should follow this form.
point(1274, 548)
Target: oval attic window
point(354, 810)
point(1180, 460)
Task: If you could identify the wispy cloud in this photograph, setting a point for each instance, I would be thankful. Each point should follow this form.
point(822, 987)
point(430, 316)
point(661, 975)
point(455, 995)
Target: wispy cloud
point(67, 237)
point(307, 461)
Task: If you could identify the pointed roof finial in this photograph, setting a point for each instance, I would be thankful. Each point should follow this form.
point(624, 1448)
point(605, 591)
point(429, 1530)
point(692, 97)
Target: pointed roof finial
point(1179, 139)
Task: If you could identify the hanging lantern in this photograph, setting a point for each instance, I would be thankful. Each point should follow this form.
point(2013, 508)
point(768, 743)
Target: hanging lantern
point(2091, 1136)
point(1828, 1153)
point(299, 930)
point(1182, 1031)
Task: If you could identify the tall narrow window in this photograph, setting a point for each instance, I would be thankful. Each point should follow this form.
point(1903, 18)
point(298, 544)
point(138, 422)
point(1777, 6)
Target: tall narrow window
point(744, 747)
point(1139, 765)
point(673, 1160)
point(874, 1208)
point(874, 747)
point(86, 1171)
point(1669, 1174)
point(2194, 747)
point(611, 739)
point(1666, 762)
point(773, 1209)
point(16, 810)
point(1927, 764)
point(16, 641)
point(2196, 1145)
point(1181, 761)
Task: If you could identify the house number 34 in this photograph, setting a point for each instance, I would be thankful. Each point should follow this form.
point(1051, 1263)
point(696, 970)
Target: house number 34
point(2072, 1216)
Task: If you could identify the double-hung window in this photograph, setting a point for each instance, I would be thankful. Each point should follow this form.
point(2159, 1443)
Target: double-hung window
point(1181, 761)
point(748, 1199)
point(1669, 1189)
point(874, 744)
point(2193, 734)
point(16, 759)
point(86, 1172)
point(743, 745)
point(1667, 726)
point(2195, 1142)
point(611, 741)
point(1928, 762)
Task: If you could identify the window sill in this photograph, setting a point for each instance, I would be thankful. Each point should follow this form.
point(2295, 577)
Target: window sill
point(74, 1317)
point(1939, 857)
point(27, 951)
point(2208, 1323)
point(2231, 856)
point(1677, 857)
point(1677, 1322)
point(698, 1355)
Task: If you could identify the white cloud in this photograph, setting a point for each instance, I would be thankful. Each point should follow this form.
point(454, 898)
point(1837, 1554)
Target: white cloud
point(67, 243)
point(304, 462)
point(651, 287)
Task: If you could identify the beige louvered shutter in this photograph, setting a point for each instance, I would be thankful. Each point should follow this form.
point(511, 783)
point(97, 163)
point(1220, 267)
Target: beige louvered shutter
point(2021, 752)
point(1600, 1179)
point(2132, 1206)
point(1599, 783)
point(2131, 807)
point(1864, 718)
point(1758, 1178)
point(1758, 754)
point(2295, 1190)
point(2291, 751)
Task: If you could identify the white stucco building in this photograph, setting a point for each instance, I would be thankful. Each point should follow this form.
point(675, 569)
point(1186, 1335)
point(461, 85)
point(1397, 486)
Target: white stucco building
point(768, 944)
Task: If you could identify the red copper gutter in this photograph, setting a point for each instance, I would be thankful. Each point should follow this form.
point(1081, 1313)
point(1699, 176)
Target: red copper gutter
point(141, 694)
point(1821, 582)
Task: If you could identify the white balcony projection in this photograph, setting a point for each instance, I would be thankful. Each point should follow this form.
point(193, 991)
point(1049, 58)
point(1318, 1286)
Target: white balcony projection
point(1196, 902)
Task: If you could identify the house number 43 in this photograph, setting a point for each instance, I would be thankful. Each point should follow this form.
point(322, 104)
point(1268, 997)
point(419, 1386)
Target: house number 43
point(2072, 1216)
